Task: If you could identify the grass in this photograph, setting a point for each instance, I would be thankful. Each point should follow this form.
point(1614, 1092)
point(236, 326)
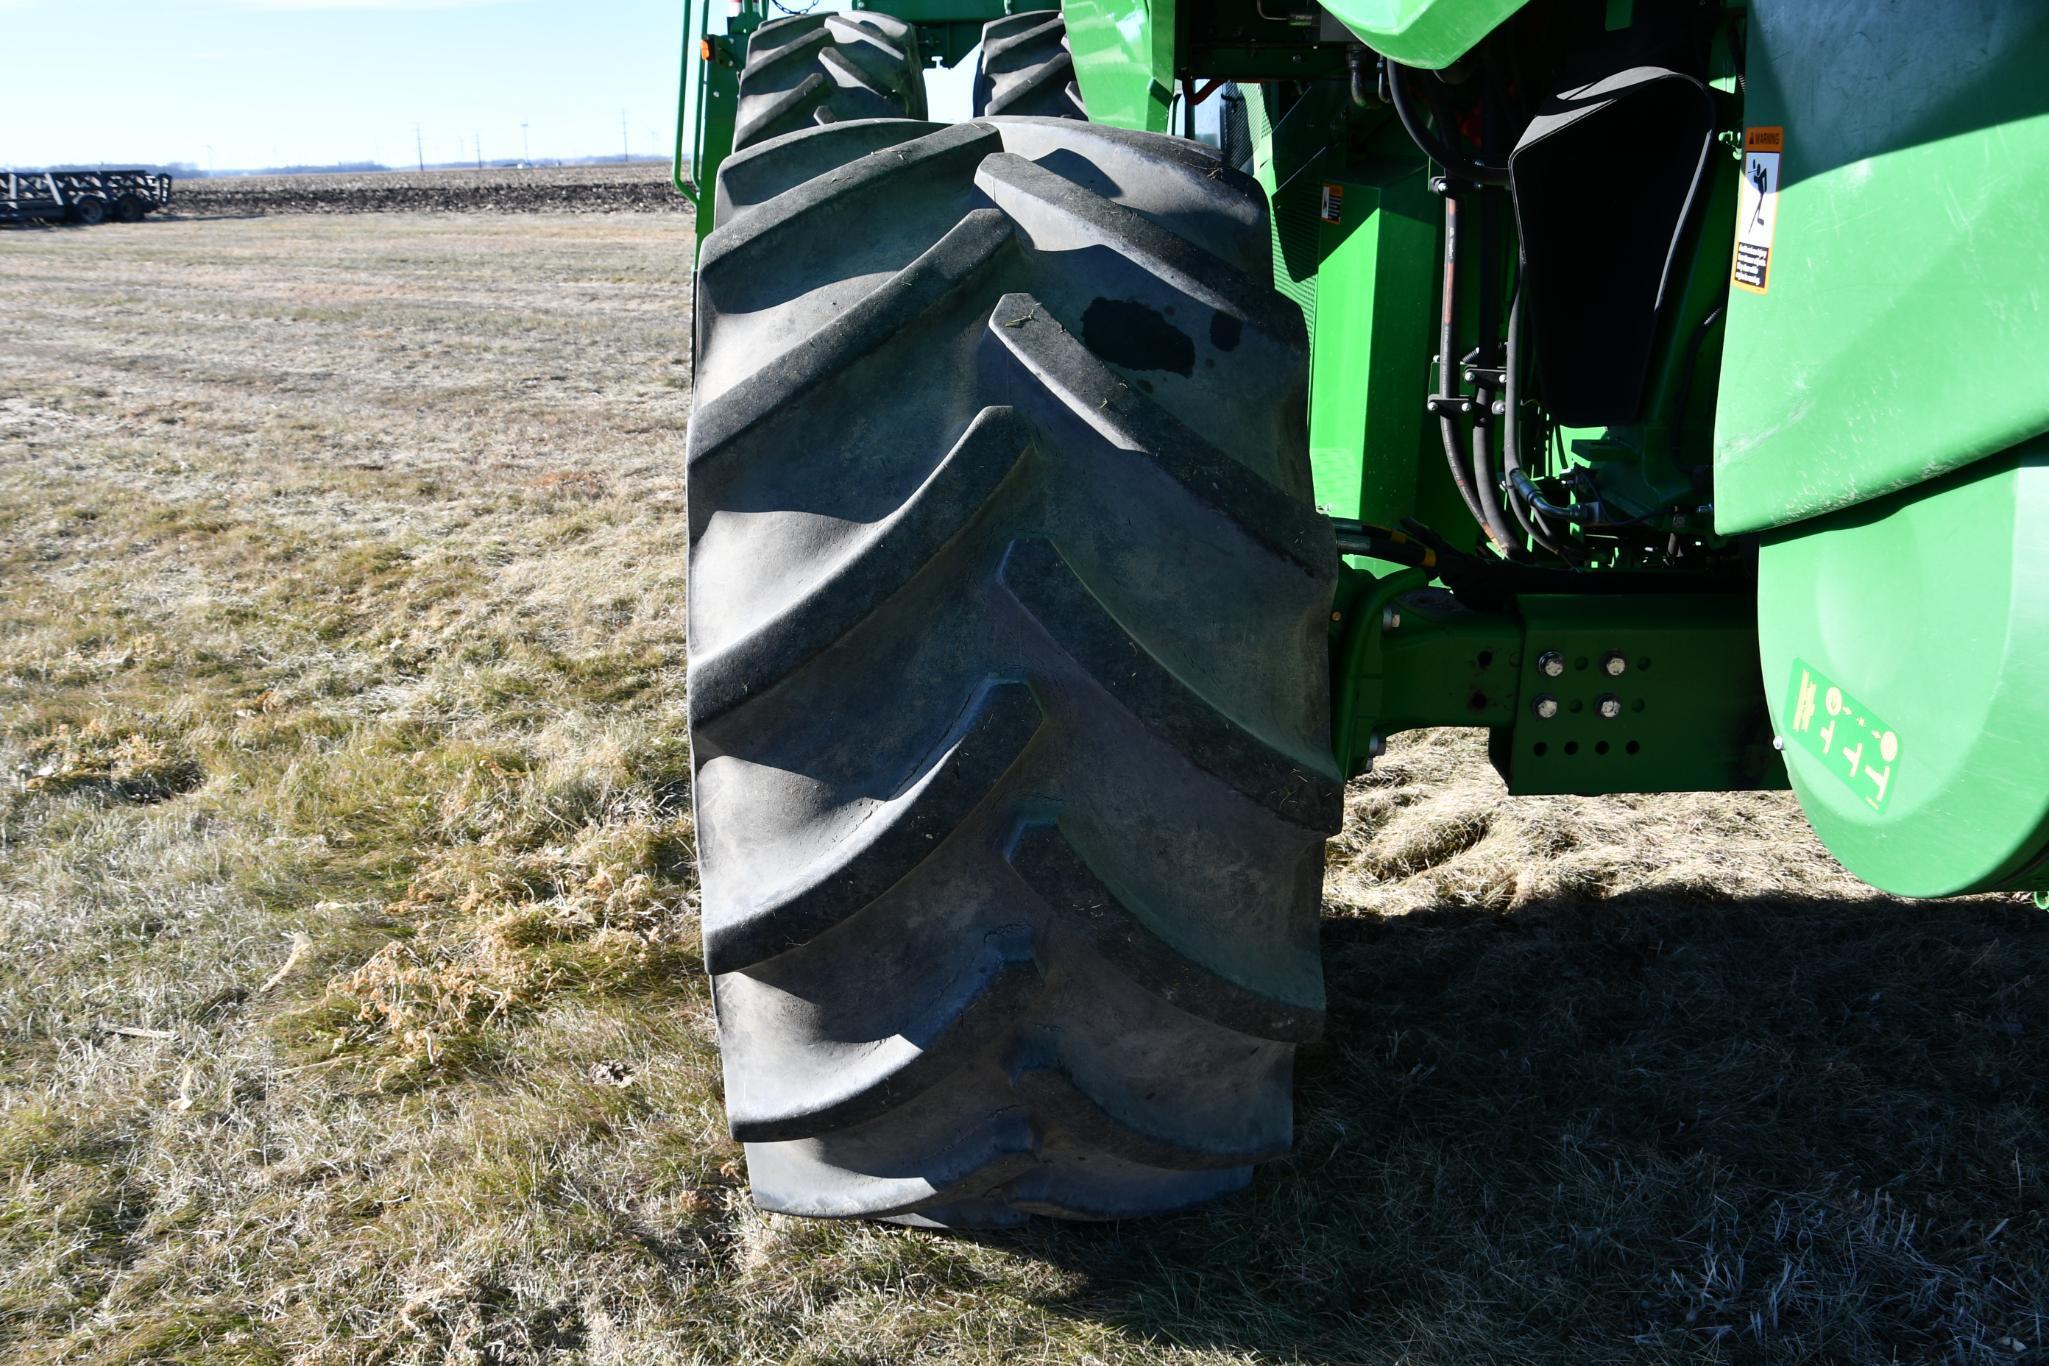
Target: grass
point(353, 1009)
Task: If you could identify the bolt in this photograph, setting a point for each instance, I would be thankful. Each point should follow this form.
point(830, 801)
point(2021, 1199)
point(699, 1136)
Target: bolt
point(1613, 664)
point(1550, 664)
point(1779, 743)
point(1546, 706)
point(1609, 705)
point(1390, 619)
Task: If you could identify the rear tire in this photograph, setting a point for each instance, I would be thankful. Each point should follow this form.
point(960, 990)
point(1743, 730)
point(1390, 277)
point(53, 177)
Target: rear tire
point(1027, 68)
point(89, 212)
point(1008, 672)
point(128, 209)
point(811, 69)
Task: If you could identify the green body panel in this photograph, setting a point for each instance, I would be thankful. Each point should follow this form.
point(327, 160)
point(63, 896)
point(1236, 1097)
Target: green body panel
point(1692, 717)
point(1928, 610)
point(1432, 662)
point(1690, 714)
point(1297, 233)
point(1902, 333)
point(1363, 265)
point(1123, 60)
point(1378, 284)
point(1431, 34)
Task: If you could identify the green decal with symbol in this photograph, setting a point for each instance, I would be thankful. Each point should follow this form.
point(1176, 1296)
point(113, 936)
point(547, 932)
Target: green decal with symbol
point(1844, 734)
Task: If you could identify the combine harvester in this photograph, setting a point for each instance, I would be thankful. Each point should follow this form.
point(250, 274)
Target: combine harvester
point(1662, 387)
point(87, 198)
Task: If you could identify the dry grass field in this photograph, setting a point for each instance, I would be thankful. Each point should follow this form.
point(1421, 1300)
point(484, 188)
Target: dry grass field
point(350, 1007)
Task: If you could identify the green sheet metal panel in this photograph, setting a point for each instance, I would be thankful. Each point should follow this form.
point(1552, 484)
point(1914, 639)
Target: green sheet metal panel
point(1377, 285)
point(1652, 693)
point(1901, 331)
point(1905, 648)
point(1431, 34)
point(1123, 60)
point(1293, 215)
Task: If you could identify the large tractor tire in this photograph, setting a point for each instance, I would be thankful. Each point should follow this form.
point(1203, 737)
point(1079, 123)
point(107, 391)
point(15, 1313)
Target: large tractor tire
point(1027, 68)
point(812, 69)
point(1008, 672)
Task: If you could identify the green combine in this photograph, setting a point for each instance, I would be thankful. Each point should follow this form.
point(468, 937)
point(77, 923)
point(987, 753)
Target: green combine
point(1660, 385)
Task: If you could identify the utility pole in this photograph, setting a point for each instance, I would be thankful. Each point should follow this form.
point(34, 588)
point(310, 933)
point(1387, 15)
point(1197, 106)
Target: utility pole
point(526, 147)
point(419, 147)
point(625, 142)
point(480, 150)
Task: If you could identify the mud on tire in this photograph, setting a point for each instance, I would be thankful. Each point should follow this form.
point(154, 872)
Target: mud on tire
point(1008, 671)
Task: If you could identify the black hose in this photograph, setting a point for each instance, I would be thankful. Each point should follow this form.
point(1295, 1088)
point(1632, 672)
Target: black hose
point(1484, 479)
point(1454, 164)
point(1511, 437)
point(1379, 543)
point(1447, 368)
point(1355, 72)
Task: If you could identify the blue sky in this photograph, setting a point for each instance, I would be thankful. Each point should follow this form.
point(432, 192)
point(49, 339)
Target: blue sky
point(317, 81)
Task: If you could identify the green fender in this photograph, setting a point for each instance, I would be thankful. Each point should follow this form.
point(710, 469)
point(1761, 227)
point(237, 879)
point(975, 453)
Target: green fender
point(1124, 54)
point(1123, 60)
point(1881, 426)
point(1431, 34)
point(1905, 645)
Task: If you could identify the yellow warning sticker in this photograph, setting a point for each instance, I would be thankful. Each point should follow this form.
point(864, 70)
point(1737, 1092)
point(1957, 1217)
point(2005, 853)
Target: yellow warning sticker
point(1757, 208)
point(1844, 734)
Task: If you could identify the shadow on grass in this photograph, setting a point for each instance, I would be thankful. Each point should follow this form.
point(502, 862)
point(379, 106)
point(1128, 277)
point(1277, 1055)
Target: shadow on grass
point(1638, 1128)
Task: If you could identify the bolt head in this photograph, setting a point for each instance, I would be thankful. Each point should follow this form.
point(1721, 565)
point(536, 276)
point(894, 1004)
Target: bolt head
point(1609, 705)
point(1546, 707)
point(1551, 664)
point(1613, 664)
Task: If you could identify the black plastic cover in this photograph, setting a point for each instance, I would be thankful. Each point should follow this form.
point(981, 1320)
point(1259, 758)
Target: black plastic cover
point(1607, 180)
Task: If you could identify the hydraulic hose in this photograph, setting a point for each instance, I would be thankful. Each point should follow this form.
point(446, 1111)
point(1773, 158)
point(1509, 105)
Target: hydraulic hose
point(1355, 77)
point(1454, 164)
point(1486, 483)
point(1447, 370)
point(1511, 438)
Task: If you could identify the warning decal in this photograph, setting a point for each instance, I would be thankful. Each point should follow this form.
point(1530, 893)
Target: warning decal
point(1757, 201)
point(1332, 210)
point(1843, 734)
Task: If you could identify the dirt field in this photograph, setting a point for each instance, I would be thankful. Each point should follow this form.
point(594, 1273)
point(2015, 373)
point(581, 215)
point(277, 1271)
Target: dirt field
point(640, 188)
point(352, 1008)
